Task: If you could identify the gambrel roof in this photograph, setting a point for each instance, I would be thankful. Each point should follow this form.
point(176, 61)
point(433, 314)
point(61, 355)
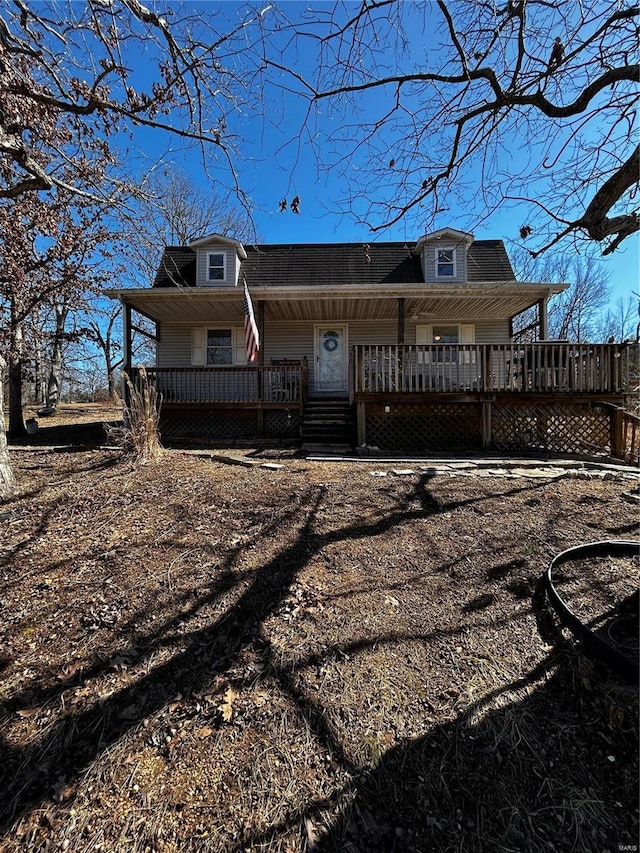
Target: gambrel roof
point(336, 264)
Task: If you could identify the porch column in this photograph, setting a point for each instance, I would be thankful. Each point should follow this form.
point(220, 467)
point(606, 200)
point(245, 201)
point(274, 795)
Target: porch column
point(400, 362)
point(543, 319)
point(126, 349)
point(260, 325)
point(401, 316)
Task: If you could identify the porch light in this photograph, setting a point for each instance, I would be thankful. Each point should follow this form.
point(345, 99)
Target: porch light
point(387, 408)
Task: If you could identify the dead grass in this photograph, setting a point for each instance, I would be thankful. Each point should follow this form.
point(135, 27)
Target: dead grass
point(202, 657)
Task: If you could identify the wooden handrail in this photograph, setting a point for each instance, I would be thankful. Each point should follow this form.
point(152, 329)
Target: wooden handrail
point(533, 367)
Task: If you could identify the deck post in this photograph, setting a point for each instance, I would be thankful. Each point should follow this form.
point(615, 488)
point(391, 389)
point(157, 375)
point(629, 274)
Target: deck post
point(616, 423)
point(260, 324)
point(543, 319)
point(485, 423)
point(361, 423)
point(126, 354)
point(304, 383)
point(401, 317)
point(400, 351)
point(487, 380)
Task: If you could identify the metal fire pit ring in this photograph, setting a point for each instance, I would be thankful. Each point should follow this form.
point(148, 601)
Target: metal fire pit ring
point(594, 645)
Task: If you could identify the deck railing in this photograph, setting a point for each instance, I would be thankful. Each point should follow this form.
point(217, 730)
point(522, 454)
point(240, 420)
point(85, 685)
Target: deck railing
point(536, 367)
point(269, 384)
point(418, 369)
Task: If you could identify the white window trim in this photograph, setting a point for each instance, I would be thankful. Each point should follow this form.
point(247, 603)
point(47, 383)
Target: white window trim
point(453, 251)
point(224, 266)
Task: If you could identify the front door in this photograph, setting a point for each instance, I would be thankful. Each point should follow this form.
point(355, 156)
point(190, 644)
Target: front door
point(331, 359)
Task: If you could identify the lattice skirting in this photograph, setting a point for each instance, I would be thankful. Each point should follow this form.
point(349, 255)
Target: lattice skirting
point(416, 429)
point(555, 428)
point(522, 427)
point(229, 425)
point(282, 423)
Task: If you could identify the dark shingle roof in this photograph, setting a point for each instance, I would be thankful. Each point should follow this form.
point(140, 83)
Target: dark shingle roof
point(336, 264)
point(177, 268)
point(487, 260)
point(332, 264)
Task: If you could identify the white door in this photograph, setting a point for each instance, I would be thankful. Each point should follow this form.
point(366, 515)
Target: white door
point(331, 359)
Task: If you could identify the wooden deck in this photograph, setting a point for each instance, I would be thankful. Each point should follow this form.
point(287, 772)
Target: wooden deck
point(542, 397)
point(541, 368)
point(236, 385)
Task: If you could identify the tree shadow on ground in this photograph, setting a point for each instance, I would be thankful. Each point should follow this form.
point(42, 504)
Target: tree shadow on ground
point(548, 762)
point(76, 739)
point(497, 778)
point(69, 435)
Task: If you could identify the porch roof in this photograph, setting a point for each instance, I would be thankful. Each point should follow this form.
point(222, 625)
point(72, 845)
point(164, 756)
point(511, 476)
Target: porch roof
point(423, 303)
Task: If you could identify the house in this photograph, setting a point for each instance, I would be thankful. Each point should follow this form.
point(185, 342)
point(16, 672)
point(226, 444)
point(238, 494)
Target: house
point(406, 346)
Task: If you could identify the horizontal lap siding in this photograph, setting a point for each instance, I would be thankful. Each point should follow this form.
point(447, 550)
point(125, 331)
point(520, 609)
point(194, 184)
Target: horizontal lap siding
point(174, 346)
point(492, 332)
point(295, 341)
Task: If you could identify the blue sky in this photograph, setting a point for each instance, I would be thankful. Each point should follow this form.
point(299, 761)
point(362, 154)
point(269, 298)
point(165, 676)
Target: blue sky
point(270, 169)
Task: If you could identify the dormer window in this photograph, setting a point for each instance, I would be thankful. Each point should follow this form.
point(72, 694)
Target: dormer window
point(216, 270)
point(446, 262)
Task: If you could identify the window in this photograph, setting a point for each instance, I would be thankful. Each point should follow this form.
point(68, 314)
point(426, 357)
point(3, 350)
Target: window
point(445, 262)
point(215, 266)
point(449, 334)
point(445, 334)
point(219, 346)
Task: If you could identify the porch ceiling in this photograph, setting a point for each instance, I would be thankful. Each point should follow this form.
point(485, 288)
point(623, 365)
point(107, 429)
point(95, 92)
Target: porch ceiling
point(198, 306)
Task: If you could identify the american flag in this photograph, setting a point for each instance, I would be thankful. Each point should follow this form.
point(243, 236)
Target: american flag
point(251, 336)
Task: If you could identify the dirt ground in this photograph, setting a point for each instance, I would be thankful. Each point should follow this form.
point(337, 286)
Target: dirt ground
point(308, 656)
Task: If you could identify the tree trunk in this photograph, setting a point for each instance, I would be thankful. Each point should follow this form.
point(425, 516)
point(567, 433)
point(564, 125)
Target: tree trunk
point(17, 428)
point(113, 394)
point(53, 384)
point(7, 482)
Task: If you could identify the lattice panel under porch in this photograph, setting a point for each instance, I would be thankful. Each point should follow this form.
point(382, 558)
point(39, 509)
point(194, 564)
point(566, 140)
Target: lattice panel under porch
point(555, 428)
point(212, 425)
point(282, 423)
point(418, 429)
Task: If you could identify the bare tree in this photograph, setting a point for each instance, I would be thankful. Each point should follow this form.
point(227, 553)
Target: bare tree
point(50, 258)
point(577, 314)
point(70, 85)
point(421, 106)
point(7, 481)
point(101, 331)
point(622, 321)
point(75, 69)
point(171, 210)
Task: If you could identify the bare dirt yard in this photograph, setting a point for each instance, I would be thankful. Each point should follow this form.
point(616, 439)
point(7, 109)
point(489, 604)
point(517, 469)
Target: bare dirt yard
point(309, 656)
